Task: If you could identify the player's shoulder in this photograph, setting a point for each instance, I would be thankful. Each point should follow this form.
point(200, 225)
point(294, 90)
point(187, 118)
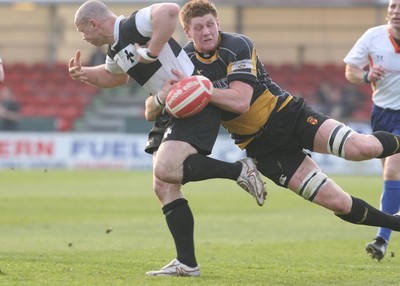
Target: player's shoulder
point(377, 31)
point(229, 38)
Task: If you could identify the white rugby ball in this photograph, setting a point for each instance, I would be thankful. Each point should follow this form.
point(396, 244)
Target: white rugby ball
point(189, 96)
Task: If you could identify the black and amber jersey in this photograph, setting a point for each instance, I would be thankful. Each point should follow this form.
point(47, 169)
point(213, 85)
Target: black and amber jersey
point(236, 59)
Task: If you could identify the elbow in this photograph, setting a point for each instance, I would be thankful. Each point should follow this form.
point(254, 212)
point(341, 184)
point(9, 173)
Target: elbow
point(166, 11)
point(148, 115)
point(242, 107)
point(347, 76)
point(173, 10)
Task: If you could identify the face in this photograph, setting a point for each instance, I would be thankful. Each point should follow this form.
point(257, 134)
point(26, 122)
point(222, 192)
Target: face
point(204, 31)
point(393, 15)
point(90, 33)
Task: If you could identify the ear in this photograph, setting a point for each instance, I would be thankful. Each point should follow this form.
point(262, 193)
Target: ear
point(93, 23)
point(187, 33)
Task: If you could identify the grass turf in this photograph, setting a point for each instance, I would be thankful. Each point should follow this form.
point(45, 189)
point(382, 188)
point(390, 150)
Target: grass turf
point(106, 228)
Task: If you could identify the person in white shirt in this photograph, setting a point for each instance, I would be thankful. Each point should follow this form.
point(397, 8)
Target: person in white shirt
point(375, 60)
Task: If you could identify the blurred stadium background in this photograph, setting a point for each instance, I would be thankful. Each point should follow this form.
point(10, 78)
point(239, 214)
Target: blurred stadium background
point(301, 42)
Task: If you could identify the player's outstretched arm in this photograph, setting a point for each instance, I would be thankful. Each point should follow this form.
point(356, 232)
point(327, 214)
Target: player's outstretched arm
point(97, 75)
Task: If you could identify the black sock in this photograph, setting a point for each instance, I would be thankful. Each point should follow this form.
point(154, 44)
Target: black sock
point(199, 167)
point(389, 141)
point(180, 222)
point(363, 213)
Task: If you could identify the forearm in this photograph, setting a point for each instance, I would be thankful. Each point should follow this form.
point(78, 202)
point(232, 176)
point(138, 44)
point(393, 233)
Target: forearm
point(100, 77)
point(152, 109)
point(236, 98)
point(355, 75)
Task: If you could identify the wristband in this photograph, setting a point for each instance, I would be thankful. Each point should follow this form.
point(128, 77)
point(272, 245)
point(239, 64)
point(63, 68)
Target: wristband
point(144, 53)
point(158, 101)
point(365, 77)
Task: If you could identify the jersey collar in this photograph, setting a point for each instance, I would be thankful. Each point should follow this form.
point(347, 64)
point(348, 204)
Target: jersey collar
point(394, 42)
point(210, 57)
point(116, 31)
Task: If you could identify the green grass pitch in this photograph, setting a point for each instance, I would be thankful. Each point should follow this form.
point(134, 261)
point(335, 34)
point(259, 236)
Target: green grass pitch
point(107, 228)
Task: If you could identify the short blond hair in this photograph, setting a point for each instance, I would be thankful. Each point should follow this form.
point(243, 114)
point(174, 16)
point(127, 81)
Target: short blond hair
point(196, 8)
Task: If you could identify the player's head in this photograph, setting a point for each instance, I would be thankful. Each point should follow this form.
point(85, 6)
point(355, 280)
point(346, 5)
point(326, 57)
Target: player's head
point(393, 14)
point(92, 20)
point(199, 19)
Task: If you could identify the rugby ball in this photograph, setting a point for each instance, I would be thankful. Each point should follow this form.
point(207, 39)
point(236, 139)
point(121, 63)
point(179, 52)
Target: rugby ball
point(189, 96)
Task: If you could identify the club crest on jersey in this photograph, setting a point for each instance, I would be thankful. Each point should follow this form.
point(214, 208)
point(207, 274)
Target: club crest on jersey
point(167, 132)
point(126, 58)
point(312, 120)
point(240, 65)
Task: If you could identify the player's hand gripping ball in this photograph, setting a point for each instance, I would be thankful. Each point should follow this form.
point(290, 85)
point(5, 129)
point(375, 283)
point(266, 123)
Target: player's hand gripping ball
point(189, 96)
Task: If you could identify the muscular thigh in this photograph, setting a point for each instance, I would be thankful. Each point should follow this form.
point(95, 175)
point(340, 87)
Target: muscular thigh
point(171, 155)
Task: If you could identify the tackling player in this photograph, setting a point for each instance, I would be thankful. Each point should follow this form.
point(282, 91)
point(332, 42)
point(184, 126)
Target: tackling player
point(273, 126)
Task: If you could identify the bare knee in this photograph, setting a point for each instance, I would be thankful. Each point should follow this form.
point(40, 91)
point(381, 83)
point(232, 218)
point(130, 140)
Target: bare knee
point(165, 192)
point(168, 165)
point(362, 147)
point(168, 169)
point(163, 172)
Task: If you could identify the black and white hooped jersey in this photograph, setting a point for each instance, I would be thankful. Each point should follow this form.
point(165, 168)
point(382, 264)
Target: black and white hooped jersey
point(123, 58)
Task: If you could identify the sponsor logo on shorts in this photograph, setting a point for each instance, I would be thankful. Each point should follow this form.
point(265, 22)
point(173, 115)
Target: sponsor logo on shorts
point(282, 179)
point(167, 132)
point(312, 120)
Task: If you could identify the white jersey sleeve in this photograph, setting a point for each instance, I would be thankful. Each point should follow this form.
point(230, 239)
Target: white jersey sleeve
point(112, 66)
point(143, 21)
point(358, 55)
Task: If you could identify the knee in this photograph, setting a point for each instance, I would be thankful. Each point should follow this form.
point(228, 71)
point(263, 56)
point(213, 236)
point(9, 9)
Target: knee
point(165, 192)
point(161, 172)
point(159, 188)
point(341, 205)
point(169, 168)
point(362, 147)
point(391, 172)
point(167, 171)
